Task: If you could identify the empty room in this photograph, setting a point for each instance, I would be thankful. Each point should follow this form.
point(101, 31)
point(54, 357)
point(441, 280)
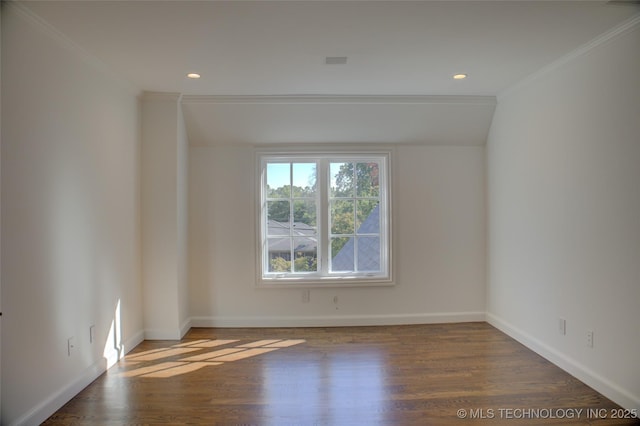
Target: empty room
point(320, 212)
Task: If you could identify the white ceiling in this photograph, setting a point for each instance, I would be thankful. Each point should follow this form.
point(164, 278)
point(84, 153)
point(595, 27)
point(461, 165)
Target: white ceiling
point(278, 48)
point(429, 120)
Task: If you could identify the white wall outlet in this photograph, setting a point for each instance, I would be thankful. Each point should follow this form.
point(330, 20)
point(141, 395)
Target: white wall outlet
point(71, 345)
point(589, 337)
point(562, 326)
point(306, 295)
point(92, 333)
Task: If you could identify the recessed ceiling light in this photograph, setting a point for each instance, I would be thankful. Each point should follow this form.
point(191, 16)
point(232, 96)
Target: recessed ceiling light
point(193, 75)
point(335, 60)
point(459, 76)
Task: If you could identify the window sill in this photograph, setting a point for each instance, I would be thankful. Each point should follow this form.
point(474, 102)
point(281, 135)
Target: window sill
point(328, 282)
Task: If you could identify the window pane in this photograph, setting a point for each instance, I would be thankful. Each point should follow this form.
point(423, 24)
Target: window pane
point(342, 181)
point(342, 217)
point(278, 218)
point(306, 254)
point(304, 179)
point(368, 181)
point(278, 180)
point(368, 217)
point(369, 254)
point(342, 254)
point(304, 217)
point(309, 200)
point(279, 250)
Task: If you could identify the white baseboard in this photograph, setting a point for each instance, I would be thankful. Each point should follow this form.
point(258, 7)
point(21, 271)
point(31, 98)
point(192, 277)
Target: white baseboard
point(185, 327)
point(168, 334)
point(134, 341)
point(46, 408)
point(606, 387)
point(337, 320)
point(114, 355)
point(161, 334)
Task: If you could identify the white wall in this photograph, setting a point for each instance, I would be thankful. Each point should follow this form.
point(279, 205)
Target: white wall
point(439, 222)
point(182, 187)
point(70, 219)
point(564, 229)
point(0, 209)
point(164, 216)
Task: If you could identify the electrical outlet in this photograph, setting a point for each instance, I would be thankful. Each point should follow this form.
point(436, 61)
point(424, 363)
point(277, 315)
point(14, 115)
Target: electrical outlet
point(306, 295)
point(71, 345)
point(92, 333)
point(589, 337)
point(562, 326)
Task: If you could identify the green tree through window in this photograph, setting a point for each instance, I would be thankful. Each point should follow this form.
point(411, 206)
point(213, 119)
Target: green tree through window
point(349, 199)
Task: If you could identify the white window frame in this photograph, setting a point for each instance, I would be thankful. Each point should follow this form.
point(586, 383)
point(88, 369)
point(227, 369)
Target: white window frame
point(324, 278)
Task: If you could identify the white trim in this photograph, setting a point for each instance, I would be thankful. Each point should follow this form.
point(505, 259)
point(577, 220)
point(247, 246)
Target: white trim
point(323, 278)
point(113, 355)
point(161, 97)
point(601, 384)
point(42, 411)
point(168, 334)
point(337, 320)
point(54, 402)
point(134, 341)
point(340, 99)
point(162, 334)
point(22, 9)
point(328, 282)
point(609, 35)
point(185, 327)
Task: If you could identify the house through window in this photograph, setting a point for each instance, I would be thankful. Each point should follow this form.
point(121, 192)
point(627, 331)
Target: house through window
point(324, 218)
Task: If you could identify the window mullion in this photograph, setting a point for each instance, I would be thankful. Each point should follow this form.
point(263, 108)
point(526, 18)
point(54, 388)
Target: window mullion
point(291, 220)
point(324, 210)
point(355, 216)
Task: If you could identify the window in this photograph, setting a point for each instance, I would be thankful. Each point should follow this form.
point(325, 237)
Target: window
point(324, 219)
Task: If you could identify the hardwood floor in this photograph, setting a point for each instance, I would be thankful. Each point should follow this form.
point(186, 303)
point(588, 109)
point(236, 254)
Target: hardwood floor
point(439, 374)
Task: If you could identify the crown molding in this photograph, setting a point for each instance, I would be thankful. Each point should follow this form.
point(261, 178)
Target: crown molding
point(340, 99)
point(161, 97)
point(617, 31)
point(21, 9)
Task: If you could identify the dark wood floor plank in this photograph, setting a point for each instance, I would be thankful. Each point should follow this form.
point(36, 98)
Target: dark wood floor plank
point(388, 375)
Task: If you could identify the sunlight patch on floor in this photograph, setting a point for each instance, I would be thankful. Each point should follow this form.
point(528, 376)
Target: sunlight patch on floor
point(164, 354)
point(209, 355)
point(195, 362)
point(182, 369)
